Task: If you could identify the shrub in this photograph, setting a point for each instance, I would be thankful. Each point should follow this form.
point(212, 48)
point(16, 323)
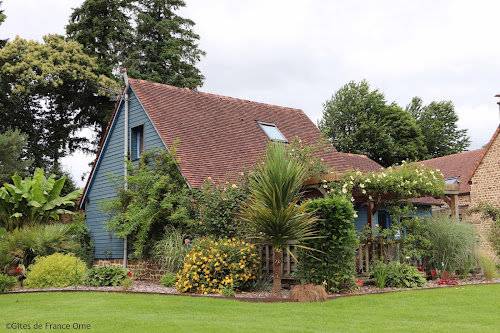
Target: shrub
point(107, 276)
point(214, 264)
point(171, 250)
point(488, 264)
point(7, 283)
point(81, 235)
point(218, 204)
point(404, 276)
point(56, 270)
point(308, 293)
point(168, 280)
point(380, 272)
point(334, 251)
point(452, 243)
point(228, 291)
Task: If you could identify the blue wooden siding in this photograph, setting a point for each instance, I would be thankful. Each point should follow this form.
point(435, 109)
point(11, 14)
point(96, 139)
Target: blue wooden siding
point(362, 218)
point(100, 189)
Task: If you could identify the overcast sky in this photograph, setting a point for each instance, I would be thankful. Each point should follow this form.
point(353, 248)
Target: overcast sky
point(298, 53)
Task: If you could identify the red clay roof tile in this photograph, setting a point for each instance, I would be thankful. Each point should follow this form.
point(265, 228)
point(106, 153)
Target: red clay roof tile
point(361, 162)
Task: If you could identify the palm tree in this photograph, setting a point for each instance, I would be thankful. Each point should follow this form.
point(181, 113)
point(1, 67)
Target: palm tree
point(272, 212)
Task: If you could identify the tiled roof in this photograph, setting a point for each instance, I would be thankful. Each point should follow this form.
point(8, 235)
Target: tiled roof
point(484, 151)
point(219, 135)
point(361, 162)
point(461, 165)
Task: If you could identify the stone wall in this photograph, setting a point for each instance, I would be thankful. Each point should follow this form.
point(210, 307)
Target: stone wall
point(485, 186)
point(145, 270)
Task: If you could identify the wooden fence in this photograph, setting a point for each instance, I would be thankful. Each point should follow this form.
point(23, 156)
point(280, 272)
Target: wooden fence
point(376, 249)
point(288, 266)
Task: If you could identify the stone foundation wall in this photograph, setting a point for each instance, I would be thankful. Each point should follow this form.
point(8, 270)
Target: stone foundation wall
point(145, 270)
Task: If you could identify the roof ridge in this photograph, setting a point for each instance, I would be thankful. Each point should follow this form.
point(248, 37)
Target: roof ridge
point(456, 154)
point(212, 95)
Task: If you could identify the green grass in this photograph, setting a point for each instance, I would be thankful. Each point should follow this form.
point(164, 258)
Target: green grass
point(461, 309)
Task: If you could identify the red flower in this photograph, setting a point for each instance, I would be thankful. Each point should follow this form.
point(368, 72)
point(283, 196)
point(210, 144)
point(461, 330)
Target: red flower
point(186, 241)
point(129, 274)
point(433, 272)
point(17, 269)
point(420, 268)
point(359, 283)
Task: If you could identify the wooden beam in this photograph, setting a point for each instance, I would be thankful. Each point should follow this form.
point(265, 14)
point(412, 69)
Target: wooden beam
point(371, 215)
point(376, 207)
point(446, 199)
point(454, 205)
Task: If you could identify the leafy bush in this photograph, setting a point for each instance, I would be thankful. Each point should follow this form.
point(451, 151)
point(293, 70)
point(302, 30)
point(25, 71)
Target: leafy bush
point(404, 276)
point(171, 250)
point(228, 291)
point(7, 283)
point(452, 243)
point(107, 276)
point(81, 235)
point(308, 293)
point(334, 252)
point(56, 270)
point(218, 204)
point(168, 280)
point(214, 264)
point(488, 265)
point(380, 272)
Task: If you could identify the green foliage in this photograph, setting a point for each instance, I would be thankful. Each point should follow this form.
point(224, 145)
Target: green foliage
point(2, 19)
point(56, 270)
point(81, 235)
point(403, 276)
point(103, 28)
point(168, 280)
point(218, 205)
point(228, 291)
point(7, 283)
point(108, 276)
point(50, 91)
point(34, 200)
point(489, 211)
point(157, 199)
point(171, 250)
point(359, 120)
point(438, 124)
point(12, 145)
point(213, 265)
point(488, 265)
point(452, 243)
point(273, 214)
point(310, 154)
point(410, 180)
point(380, 272)
point(165, 46)
point(333, 255)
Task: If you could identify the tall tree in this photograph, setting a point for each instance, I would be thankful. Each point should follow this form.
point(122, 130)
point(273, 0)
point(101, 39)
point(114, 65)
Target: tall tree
point(2, 19)
point(438, 124)
point(359, 120)
point(103, 28)
point(165, 45)
point(12, 145)
point(50, 91)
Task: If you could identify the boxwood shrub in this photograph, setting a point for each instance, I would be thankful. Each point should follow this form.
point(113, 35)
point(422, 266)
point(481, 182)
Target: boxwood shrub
point(56, 270)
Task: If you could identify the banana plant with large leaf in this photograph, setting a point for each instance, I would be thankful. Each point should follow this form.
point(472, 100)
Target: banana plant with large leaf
point(34, 200)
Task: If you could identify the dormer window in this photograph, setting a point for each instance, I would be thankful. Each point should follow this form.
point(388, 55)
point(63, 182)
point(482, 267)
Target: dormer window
point(272, 131)
point(137, 142)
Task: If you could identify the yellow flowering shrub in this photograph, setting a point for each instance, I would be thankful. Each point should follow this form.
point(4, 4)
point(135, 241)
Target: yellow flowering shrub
point(212, 265)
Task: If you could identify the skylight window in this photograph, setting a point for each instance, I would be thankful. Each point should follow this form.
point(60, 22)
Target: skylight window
point(272, 132)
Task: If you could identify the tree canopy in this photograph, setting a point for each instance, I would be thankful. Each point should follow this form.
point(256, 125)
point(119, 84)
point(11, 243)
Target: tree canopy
point(146, 36)
point(359, 120)
point(12, 145)
point(51, 91)
point(438, 123)
point(2, 19)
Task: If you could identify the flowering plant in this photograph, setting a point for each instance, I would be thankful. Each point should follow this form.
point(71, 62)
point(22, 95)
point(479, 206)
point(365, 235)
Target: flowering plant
point(213, 265)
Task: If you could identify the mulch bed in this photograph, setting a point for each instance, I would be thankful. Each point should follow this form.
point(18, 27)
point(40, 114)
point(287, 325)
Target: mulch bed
point(142, 287)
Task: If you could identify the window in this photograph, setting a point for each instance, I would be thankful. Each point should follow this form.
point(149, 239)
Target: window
point(137, 143)
point(272, 132)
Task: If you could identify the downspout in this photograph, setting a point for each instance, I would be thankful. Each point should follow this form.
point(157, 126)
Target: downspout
point(125, 153)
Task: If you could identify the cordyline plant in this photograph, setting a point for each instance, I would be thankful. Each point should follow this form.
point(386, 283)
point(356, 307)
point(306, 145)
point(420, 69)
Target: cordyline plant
point(34, 200)
point(272, 213)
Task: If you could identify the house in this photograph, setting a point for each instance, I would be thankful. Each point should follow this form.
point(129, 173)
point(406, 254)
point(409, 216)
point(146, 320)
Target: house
point(457, 169)
point(217, 135)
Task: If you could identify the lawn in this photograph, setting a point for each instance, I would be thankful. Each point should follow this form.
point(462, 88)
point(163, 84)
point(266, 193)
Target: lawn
point(462, 309)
